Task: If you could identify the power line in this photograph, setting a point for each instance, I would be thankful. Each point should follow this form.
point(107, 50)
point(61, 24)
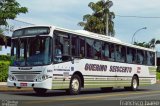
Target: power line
point(23, 22)
point(136, 16)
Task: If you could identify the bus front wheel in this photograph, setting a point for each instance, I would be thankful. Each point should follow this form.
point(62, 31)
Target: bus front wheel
point(40, 91)
point(75, 85)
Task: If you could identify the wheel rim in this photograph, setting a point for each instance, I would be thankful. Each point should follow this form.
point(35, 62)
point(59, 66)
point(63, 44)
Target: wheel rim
point(75, 84)
point(134, 83)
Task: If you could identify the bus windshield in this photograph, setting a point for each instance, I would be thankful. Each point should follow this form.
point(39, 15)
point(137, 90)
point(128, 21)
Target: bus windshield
point(31, 51)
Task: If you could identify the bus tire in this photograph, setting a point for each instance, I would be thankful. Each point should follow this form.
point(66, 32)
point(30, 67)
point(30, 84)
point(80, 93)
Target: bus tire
point(75, 85)
point(134, 84)
point(40, 91)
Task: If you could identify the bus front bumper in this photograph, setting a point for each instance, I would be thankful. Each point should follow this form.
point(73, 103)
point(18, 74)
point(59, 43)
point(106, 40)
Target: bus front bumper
point(46, 84)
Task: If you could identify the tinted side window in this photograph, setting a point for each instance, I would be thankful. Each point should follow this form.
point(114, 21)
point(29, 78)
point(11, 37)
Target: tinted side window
point(105, 51)
point(120, 53)
point(89, 48)
point(153, 58)
point(131, 55)
point(111, 52)
point(140, 57)
point(74, 45)
point(150, 58)
point(62, 47)
point(97, 49)
point(81, 47)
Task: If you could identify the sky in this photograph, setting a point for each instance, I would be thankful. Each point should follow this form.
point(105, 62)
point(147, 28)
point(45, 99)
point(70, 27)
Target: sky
point(67, 14)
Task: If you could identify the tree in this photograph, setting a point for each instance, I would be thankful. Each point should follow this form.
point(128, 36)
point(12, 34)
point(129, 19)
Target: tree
point(2, 35)
point(96, 22)
point(9, 9)
point(142, 44)
point(151, 44)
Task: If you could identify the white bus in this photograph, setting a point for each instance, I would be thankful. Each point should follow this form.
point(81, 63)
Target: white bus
point(49, 57)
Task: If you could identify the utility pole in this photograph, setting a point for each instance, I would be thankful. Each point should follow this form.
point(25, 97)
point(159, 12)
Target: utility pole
point(107, 24)
point(108, 5)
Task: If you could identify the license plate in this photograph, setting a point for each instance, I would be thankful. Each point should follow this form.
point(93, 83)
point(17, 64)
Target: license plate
point(23, 84)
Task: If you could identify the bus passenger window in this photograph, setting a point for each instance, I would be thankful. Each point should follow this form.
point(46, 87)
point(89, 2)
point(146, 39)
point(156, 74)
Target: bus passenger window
point(140, 57)
point(82, 47)
point(62, 47)
point(89, 43)
point(111, 52)
point(74, 47)
point(118, 53)
point(105, 51)
point(152, 59)
point(97, 49)
point(123, 54)
point(145, 58)
point(58, 53)
point(66, 47)
point(129, 56)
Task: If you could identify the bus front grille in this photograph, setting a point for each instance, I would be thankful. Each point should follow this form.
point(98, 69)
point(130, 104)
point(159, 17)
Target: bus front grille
point(25, 76)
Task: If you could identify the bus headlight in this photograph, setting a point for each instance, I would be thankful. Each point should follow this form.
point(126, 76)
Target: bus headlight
point(12, 78)
point(42, 78)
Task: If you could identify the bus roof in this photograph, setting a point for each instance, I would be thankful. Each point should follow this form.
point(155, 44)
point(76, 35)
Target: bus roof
point(85, 33)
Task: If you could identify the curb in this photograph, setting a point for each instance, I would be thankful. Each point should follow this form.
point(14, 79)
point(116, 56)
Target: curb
point(3, 83)
point(158, 81)
point(5, 88)
point(13, 89)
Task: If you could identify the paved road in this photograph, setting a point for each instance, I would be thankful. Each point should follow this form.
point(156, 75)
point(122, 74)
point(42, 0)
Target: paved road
point(90, 97)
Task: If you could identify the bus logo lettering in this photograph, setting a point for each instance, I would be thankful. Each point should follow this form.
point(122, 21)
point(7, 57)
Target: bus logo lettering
point(95, 67)
point(121, 69)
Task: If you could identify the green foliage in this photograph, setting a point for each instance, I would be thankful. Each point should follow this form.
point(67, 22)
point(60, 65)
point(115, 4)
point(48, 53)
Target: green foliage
point(150, 44)
point(143, 44)
point(4, 65)
point(5, 58)
point(2, 35)
point(96, 22)
point(9, 9)
point(158, 75)
point(158, 68)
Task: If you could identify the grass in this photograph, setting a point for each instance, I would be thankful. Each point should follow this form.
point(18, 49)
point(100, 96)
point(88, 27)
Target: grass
point(158, 75)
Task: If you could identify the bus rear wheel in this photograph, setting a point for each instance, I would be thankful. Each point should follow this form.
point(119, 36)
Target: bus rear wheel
point(75, 85)
point(134, 84)
point(40, 91)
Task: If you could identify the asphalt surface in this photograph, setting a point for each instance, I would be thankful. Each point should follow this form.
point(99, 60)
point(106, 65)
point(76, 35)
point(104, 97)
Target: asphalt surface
point(145, 96)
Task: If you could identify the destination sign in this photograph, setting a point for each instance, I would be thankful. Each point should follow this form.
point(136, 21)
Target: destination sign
point(31, 31)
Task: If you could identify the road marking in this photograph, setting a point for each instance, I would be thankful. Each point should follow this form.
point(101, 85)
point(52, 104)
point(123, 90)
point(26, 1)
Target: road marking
point(91, 97)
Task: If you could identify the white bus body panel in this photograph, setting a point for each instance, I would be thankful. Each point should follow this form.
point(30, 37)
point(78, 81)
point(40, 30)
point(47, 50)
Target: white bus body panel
point(95, 77)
